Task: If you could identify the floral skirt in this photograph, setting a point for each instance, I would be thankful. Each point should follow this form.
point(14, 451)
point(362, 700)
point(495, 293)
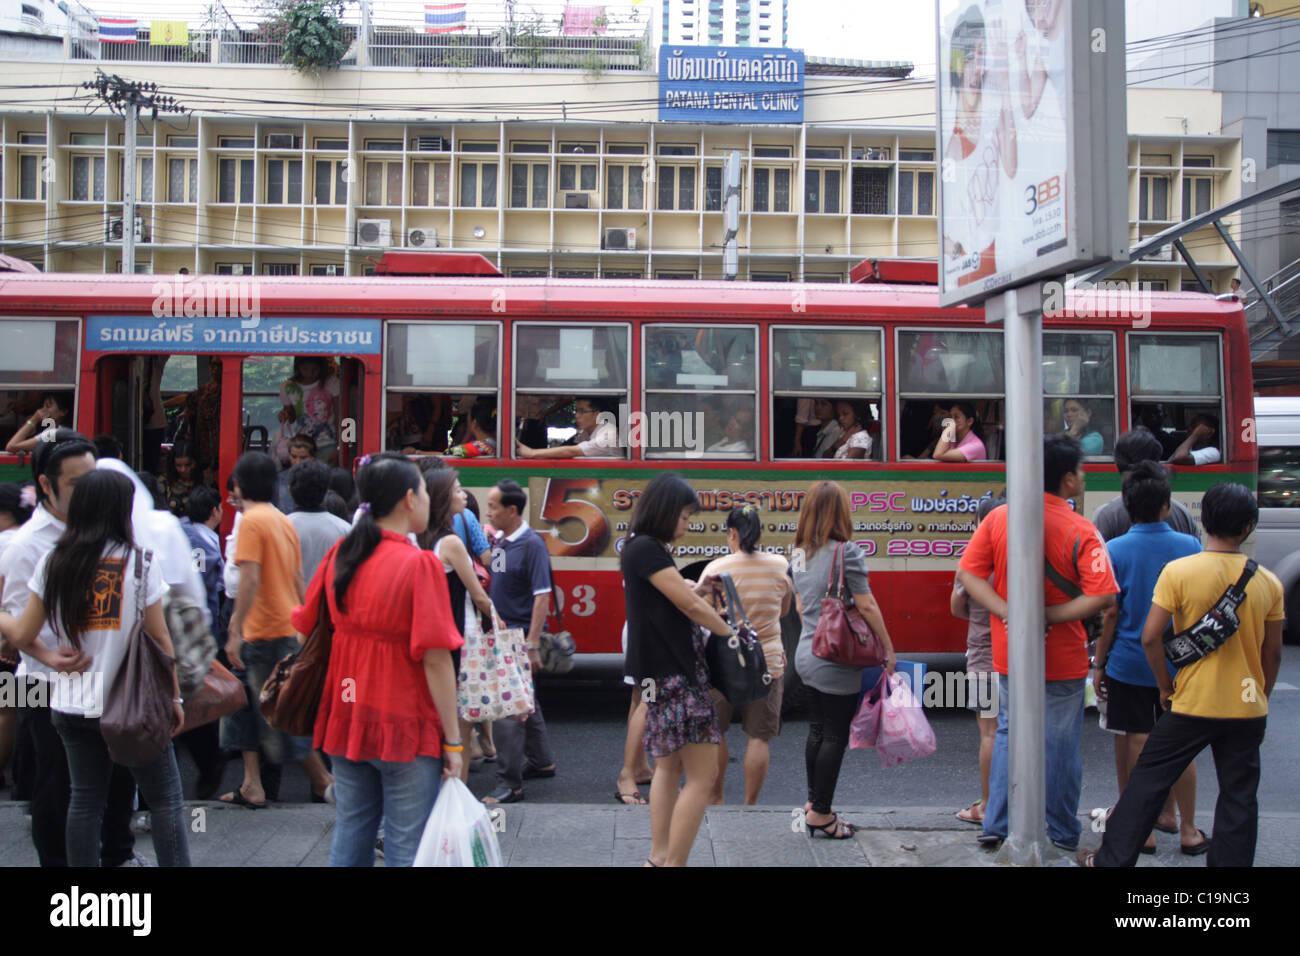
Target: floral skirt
point(680, 712)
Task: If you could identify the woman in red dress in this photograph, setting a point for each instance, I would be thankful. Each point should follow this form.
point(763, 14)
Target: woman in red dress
point(390, 692)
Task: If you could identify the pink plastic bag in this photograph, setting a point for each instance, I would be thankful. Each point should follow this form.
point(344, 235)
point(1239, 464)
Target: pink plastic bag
point(862, 732)
point(903, 733)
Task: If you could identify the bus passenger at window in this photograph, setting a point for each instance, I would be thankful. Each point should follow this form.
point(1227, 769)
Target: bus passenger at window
point(532, 418)
point(309, 403)
point(55, 409)
point(830, 431)
point(481, 440)
point(961, 439)
point(301, 448)
point(738, 433)
point(202, 413)
point(602, 432)
point(854, 418)
point(421, 425)
point(1078, 418)
point(1198, 447)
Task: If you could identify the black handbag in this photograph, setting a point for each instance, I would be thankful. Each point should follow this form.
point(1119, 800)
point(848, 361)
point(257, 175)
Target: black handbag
point(737, 667)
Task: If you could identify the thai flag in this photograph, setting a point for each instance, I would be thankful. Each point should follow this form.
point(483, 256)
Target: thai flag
point(116, 31)
point(444, 17)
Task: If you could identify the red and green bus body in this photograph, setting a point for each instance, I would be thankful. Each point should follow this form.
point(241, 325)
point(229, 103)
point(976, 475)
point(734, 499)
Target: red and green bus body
point(913, 518)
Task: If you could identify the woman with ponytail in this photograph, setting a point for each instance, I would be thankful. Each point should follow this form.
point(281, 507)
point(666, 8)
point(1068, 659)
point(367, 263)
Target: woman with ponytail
point(388, 716)
point(763, 583)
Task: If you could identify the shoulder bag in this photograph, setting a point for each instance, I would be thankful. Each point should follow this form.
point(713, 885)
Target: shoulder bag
point(843, 635)
point(192, 640)
point(290, 698)
point(138, 717)
point(556, 646)
point(1215, 627)
point(736, 664)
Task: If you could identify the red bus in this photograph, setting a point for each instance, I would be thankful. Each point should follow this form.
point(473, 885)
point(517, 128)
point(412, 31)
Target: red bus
point(723, 382)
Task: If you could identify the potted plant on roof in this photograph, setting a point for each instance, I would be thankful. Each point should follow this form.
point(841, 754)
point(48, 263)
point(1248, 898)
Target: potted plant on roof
point(311, 34)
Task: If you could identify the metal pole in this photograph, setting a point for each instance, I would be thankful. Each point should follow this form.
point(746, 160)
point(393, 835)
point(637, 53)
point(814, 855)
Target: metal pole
point(128, 190)
point(731, 219)
point(1026, 841)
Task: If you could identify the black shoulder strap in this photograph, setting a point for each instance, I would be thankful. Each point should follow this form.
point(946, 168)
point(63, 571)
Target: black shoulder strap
point(1064, 584)
point(555, 598)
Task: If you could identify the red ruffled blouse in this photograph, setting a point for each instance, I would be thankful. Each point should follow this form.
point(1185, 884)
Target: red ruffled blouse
point(376, 704)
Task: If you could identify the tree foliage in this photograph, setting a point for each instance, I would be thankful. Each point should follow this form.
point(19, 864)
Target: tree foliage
point(310, 33)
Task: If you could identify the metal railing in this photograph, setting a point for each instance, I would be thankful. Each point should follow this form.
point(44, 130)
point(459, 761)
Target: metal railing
point(403, 47)
point(1283, 287)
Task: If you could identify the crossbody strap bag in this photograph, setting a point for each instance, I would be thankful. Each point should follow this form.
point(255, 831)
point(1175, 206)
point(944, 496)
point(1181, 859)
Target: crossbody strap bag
point(1215, 627)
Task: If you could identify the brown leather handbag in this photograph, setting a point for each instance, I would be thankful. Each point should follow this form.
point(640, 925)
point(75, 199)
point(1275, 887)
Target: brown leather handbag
point(843, 635)
point(139, 716)
point(291, 696)
point(220, 694)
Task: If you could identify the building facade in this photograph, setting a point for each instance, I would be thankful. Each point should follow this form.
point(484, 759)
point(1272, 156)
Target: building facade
point(724, 22)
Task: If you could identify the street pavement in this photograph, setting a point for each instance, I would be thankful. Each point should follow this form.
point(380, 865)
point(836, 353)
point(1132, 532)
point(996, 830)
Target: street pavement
point(590, 835)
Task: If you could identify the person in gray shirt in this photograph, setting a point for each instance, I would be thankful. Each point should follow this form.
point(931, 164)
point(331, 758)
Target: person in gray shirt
point(1134, 446)
point(317, 528)
point(824, 524)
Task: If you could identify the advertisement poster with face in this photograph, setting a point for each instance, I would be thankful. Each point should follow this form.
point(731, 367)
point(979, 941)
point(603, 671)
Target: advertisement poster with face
point(1002, 135)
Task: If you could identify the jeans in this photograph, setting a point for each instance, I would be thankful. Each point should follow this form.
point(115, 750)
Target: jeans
point(402, 794)
point(52, 791)
point(517, 742)
point(829, 716)
point(1064, 764)
point(91, 770)
point(1173, 744)
point(248, 730)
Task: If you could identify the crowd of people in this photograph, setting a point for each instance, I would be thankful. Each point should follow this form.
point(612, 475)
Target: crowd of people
point(408, 575)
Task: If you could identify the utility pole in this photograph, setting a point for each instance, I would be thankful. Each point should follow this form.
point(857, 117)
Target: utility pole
point(731, 217)
point(129, 98)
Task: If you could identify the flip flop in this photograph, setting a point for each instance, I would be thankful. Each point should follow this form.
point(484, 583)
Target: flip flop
point(965, 816)
point(238, 799)
point(635, 796)
point(1202, 847)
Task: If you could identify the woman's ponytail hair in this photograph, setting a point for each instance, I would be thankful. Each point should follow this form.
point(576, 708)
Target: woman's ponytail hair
point(748, 526)
point(382, 482)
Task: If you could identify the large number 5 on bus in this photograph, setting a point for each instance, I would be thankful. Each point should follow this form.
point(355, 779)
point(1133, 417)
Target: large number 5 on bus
point(558, 506)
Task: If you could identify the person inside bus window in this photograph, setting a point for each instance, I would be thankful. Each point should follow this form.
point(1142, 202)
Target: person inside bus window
point(1151, 416)
point(301, 448)
point(421, 424)
point(1199, 448)
point(601, 432)
point(828, 431)
point(309, 403)
point(480, 439)
point(1078, 423)
point(920, 434)
point(532, 418)
point(53, 411)
point(738, 433)
point(961, 439)
point(854, 441)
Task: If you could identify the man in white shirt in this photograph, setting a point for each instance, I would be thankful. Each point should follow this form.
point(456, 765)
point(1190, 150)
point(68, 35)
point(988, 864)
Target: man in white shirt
point(58, 461)
point(601, 429)
point(1198, 447)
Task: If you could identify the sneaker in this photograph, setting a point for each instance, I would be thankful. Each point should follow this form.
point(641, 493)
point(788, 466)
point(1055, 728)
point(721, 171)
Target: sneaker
point(989, 840)
point(137, 860)
point(1067, 847)
point(141, 823)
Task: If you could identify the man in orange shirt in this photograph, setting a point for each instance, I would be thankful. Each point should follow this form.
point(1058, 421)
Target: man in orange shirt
point(1079, 583)
point(261, 632)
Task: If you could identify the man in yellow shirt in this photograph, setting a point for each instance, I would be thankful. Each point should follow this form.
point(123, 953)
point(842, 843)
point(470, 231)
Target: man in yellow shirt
point(1219, 701)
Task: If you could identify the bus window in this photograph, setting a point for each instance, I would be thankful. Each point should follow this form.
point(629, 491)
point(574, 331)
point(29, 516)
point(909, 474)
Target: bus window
point(38, 375)
point(1175, 380)
point(814, 369)
point(700, 399)
point(437, 374)
point(561, 367)
point(1079, 388)
point(939, 369)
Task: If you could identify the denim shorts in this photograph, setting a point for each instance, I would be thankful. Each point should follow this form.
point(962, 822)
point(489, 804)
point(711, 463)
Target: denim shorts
point(248, 729)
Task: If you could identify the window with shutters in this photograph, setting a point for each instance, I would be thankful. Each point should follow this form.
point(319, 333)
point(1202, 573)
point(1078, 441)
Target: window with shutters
point(529, 185)
point(477, 185)
point(430, 183)
point(284, 181)
point(624, 186)
point(383, 183)
point(331, 182)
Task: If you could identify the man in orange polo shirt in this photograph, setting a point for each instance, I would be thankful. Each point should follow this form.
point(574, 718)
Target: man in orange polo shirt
point(1079, 583)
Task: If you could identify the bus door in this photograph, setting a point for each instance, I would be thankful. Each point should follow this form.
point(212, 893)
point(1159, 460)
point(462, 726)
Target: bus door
point(311, 401)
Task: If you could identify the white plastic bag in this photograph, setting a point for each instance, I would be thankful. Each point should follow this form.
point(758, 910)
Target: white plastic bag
point(459, 831)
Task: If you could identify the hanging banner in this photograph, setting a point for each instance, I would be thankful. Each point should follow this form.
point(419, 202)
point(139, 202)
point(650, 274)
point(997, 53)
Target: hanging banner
point(709, 84)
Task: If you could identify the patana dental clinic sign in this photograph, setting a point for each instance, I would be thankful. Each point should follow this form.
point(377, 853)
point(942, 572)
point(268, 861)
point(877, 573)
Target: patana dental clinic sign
point(709, 84)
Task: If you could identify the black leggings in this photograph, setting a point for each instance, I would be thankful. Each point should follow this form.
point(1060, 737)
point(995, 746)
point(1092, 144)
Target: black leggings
point(828, 736)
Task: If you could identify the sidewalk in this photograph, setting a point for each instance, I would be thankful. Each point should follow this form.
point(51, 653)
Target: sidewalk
point(590, 835)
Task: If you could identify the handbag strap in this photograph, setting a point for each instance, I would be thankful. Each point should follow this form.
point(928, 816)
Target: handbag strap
point(837, 554)
point(736, 608)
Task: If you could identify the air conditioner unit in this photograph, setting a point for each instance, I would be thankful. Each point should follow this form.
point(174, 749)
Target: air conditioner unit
point(237, 269)
point(577, 200)
point(430, 144)
point(283, 141)
point(1163, 254)
point(331, 269)
point(113, 229)
point(619, 239)
point(422, 238)
point(374, 232)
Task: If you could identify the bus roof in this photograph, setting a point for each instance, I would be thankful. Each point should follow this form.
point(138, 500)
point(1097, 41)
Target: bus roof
point(76, 294)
